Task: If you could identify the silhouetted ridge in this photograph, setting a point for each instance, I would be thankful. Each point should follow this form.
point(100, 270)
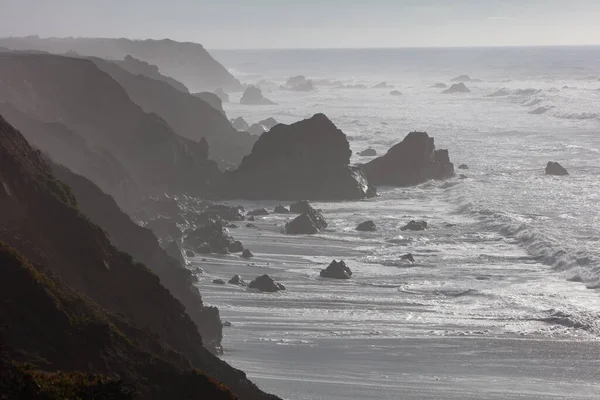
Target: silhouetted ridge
point(187, 62)
point(139, 67)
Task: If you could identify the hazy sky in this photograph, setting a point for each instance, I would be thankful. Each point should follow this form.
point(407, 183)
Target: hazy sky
point(307, 24)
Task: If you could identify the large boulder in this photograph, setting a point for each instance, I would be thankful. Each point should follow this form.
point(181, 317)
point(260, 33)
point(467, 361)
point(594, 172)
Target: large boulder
point(253, 97)
point(367, 226)
point(247, 254)
point(411, 162)
point(415, 226)
point(265, 283)
point(337, 270)
point(554, 168)
point(309, 159)
point(457, 88)
point(309, 223)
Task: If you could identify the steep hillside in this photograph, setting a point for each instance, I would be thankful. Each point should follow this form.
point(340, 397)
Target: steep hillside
point(143, 246)
point(54, 328)
point(139, 67)
point(40, 218)
point(188, 62)
point(80, 96)
point(190, 116)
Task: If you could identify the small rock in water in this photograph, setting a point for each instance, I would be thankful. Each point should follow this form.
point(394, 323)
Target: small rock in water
point(247, 254)
point(250, 226)
point(237, 280)
point(396, 93)
point(309, 223)
point(265, 283)
point(457, 88)
point(190, 253)
point(226, 324)
point(554, 168)
point(415, 226)
point(337, 270)
point(260, 211)
point(370, 152)
point(463, 166)
point(218, 281)
point(408, 257)
point(367, 226)
point(232, 226)
point(281, 210)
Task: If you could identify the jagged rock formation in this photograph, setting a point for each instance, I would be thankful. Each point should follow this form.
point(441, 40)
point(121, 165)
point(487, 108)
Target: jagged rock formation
point(237, 280)
point(215, 235)
point(189, 116)
point(336, 270)
point(554, 168)
point(410, 162)
point(40, 218)
point(84, 98)
point(253, 97)
point(212, 99)
point(457, 88)
point(188, 62)
point(139, 67)
point(306, 160)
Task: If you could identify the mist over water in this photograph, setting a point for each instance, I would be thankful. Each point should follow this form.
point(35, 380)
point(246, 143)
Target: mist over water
point(510, 251)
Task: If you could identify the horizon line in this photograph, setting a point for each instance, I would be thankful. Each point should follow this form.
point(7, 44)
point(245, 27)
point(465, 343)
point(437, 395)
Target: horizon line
point(403, 47)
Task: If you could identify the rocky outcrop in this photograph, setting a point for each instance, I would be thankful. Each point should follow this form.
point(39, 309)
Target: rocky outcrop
point(336, 270)
point(225, 212)
point(457, 88)
point(139, 67)
point(370, 152)
point(175, 252)
point(554, 168)
point(218, 281)
point(411, 162)
point(214, 235)
point(268, 123)
point(307, 160)
point(396, 93)
point(188, 62)
point(212, 99)
point(382, 85)
point(257, 129)
point(408, 257)
point(463, 166)
point(308, 223)
point(415, 226)
point(41, 219)
point(367, 226)
point(265, 283)
point(247, 254)
point(253, 97)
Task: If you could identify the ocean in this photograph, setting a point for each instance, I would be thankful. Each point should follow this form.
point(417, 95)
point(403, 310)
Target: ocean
point(503, 299)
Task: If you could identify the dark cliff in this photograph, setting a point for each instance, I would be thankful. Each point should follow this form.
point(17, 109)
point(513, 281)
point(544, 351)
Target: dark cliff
point(40, 218)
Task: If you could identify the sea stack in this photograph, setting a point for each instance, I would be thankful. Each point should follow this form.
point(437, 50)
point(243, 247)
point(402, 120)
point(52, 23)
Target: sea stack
point(411, 162)
point(306, 160)
point(253, 97)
